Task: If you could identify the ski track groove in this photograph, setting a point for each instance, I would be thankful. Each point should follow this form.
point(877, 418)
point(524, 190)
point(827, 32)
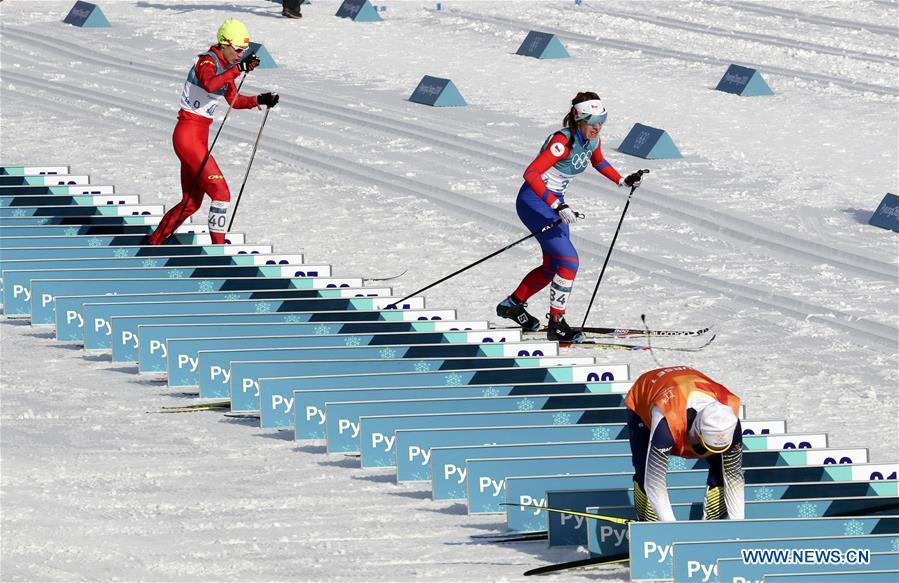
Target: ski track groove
point(631, 46)
point(701, 216)
point(809, 18)
point(864, 331)
point(750, 36)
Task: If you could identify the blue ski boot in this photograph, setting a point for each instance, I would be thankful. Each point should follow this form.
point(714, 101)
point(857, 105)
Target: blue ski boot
point(514, 310)
point(559, 330)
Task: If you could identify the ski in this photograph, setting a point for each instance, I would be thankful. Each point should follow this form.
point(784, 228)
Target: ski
point(189, 409)
point(602, 332)
point(629, 332)
point(512, 537)
point(202, 406)
point(593, 343)
point(519, 539)
point(614, 519)
point(242, 415)
point(397, 276)
point(505, 534)
point(580, 563)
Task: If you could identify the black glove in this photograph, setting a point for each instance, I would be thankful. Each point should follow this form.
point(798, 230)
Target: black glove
point(269, 100)
point(247, 65)
point(635, 179)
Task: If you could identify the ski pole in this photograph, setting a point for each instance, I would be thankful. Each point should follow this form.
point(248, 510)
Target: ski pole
point(481, 260)
point(612, 246)
point(250, 165)
point(649, 339)
point(209, 149)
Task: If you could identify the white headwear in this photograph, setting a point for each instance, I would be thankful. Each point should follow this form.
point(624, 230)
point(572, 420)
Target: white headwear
point(592, 112)
point(716, 423)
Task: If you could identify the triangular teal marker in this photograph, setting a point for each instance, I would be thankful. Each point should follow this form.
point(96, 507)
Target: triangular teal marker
point(743, 81)
point(649, 142)
point(554, 50)
point(358, 10)
point(450, 97)
point(664, 148)
point(96, 20)
point(86, 15)
point(367, 13)
point(756, 86)
point(265, 58)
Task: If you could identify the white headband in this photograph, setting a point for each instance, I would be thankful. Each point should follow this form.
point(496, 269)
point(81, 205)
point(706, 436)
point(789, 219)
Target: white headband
point(588, 108)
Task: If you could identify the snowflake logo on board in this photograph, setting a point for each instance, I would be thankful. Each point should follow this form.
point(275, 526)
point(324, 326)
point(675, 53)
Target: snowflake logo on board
point(677, 463)
point(175, 273)
point(490, 392)
point(262, 307)
point(601, 434)
point(292, 318)
point(18, 212)
point(388, 353)
point(70, 232)
point(562, 419)
point(205, 286)
point(232, 297)
point(894, 546)
point(854, 528)
point(94, 242)
point(353, 341)
point(454, 380)
point(120, 253)
point(322, 330)
point(422, 366)
point(525, 404)
point(764, 493)
point(808, 510)
point(43, 221)
point(150, 263)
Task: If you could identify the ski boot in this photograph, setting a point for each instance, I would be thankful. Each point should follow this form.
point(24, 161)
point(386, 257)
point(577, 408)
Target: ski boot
point(291, 8)
point(514, 310)
point(559, 330)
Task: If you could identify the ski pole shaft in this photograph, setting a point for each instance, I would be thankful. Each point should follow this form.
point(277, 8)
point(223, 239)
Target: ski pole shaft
point(250, 165)
point(211, 146)
point(612, 246)
point(478, 262)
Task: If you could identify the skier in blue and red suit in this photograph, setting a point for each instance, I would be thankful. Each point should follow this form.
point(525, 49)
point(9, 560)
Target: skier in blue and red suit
point(211, 78)
point(541, 201)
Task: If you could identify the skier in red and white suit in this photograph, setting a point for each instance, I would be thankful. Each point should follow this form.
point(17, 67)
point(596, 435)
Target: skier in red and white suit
point(211, 78)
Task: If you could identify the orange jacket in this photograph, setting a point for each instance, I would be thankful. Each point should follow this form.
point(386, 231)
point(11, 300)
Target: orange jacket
point(668, 389)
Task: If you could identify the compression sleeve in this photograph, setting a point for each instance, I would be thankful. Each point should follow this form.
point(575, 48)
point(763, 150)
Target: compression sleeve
point(211, 82)
point(732, 470)
point(603, 166)
point(557, 149)
point(655, 481)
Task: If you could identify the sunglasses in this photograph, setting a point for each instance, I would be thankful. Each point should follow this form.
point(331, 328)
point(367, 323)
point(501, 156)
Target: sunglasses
point(239, 50)
point(595, 120)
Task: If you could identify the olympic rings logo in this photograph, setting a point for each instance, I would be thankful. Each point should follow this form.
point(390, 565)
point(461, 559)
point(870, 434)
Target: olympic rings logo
point(581, 160)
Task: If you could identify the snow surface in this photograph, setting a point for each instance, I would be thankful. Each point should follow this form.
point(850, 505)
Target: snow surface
point(761, 229)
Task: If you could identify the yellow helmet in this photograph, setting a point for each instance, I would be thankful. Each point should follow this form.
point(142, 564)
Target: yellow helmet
point(233, 32)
